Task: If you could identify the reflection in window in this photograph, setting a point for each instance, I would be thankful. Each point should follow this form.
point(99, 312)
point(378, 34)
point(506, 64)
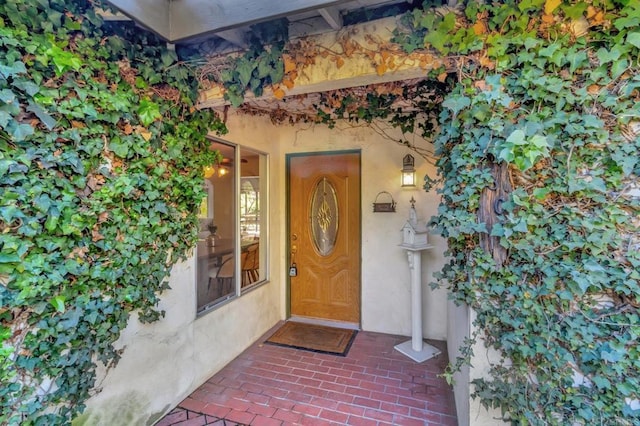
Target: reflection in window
point(232, 244)
point(216, 243)
point(250, 206)
point(252, 216)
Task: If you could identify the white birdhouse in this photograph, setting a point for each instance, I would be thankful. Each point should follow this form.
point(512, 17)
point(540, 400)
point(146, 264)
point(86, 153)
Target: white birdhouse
point(414, 234)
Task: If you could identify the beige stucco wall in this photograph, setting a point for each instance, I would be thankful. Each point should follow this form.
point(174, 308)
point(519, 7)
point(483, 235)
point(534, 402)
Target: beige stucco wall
point(460, 326)
point(457, 332)
point(165, 361)
point(385, 270)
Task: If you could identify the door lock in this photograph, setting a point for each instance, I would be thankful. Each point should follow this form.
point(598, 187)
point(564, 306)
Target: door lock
point(293, 270)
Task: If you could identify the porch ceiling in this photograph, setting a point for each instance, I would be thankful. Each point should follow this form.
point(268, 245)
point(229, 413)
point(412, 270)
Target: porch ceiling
point(230, 20)
point(216, 28)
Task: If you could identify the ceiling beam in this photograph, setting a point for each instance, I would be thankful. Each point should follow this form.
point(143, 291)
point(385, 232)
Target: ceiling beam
point(151, 14)
point(178, 20)
point(107, 15)
point(332, 16)
point(236, 37)
point(322, 74)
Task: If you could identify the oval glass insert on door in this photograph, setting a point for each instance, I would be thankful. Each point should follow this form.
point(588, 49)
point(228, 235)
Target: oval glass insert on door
point(324, 217)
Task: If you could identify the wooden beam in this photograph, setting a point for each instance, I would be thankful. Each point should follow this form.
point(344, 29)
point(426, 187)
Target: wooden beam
point(323, 74)
point(190, 18)
point(110, 16)
point(307, 27)
point(236, 37)
point(151, 14)
point(332, 16)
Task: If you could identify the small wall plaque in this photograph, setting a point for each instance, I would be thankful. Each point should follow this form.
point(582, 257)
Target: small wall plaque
point(384, 207)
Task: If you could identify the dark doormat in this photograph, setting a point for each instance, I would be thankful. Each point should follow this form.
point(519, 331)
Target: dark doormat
point(315, 338)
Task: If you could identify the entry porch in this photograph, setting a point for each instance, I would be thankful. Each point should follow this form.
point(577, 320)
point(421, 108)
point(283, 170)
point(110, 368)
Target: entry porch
point(373, 384)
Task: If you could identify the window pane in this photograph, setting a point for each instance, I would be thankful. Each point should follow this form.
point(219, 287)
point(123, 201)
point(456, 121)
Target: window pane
point(252, 217)
point(216, 245)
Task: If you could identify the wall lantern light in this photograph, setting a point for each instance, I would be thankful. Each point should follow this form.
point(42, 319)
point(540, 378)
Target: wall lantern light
point(408, 171)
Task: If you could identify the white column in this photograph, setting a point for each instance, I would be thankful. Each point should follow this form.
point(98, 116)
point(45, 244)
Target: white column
point(415, 348)
point(415, 266)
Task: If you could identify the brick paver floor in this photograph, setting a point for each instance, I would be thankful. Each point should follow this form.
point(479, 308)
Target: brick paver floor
point(373, 385)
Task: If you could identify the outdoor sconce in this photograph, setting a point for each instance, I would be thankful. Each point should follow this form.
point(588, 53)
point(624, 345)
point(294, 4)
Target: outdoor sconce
point(408, 171)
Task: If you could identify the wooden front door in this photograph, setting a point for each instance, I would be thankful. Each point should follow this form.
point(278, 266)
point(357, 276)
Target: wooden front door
point(324, 236)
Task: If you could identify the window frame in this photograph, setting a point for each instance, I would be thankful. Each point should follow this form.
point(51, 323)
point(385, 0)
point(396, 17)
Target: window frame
point(264, 220)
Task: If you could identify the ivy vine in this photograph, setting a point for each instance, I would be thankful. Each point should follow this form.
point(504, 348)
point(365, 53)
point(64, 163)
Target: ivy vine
point(101, 151)
point(552, 89)
point(101, 155)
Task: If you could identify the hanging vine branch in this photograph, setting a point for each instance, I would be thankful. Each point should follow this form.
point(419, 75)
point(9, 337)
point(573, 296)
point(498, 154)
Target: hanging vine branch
point(547, 94)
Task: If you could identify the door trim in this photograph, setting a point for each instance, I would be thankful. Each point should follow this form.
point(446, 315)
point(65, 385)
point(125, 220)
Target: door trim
point(328, 323)
point(288, 158)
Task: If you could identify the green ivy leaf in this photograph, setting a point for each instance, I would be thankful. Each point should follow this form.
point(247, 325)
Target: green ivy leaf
point(456, 103)
point(7, 71)
point(438, 40)
point(20, 132)
point(63, 60)
point(58, 303)
point(234, 96)
point(51, 222)
point(619, 67)
point(627, 22)
point(9, 258)
point(605, 55)
point(5, 118)
point(168, 57)
point(264, 68)
point(521, 226)
point(244, 68)
point(7, 96)
point(541, 193)
point(634, 39)
point(44, 117)
point(29, 87)
point(277, 73)
point(524, 5)
point(517, 137)
point(148, 112)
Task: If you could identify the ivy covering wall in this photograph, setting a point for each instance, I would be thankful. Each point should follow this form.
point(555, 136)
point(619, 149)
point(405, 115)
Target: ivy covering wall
point(550, 92)
point(101, 153)
point(538, 154)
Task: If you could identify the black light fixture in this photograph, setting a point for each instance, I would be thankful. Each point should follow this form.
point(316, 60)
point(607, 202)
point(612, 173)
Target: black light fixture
point(408, 171)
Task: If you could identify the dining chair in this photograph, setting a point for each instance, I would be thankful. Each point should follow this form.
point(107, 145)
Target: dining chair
point(224, 276)
point(250, 265)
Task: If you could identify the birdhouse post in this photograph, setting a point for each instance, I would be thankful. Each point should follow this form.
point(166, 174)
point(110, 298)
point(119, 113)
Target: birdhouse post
point(415, 241)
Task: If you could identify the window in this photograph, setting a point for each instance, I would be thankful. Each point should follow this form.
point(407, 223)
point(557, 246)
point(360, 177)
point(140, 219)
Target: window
point(231, 253)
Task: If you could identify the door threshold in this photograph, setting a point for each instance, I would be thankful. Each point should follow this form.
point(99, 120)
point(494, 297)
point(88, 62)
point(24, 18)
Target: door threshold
point(325, 322)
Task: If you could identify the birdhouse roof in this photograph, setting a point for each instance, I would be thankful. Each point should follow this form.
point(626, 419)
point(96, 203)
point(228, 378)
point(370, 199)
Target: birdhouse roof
point(418, 228)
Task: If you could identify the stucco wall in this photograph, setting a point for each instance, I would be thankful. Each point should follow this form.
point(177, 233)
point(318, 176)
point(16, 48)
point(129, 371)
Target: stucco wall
point(470, 412)
point(165, 361)
point(457, 332)
point(385, 270)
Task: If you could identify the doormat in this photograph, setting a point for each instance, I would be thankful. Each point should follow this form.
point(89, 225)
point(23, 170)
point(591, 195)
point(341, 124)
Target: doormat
point(315, 338)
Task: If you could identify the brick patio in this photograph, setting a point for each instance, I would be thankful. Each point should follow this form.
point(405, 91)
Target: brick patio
point(373, 385)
